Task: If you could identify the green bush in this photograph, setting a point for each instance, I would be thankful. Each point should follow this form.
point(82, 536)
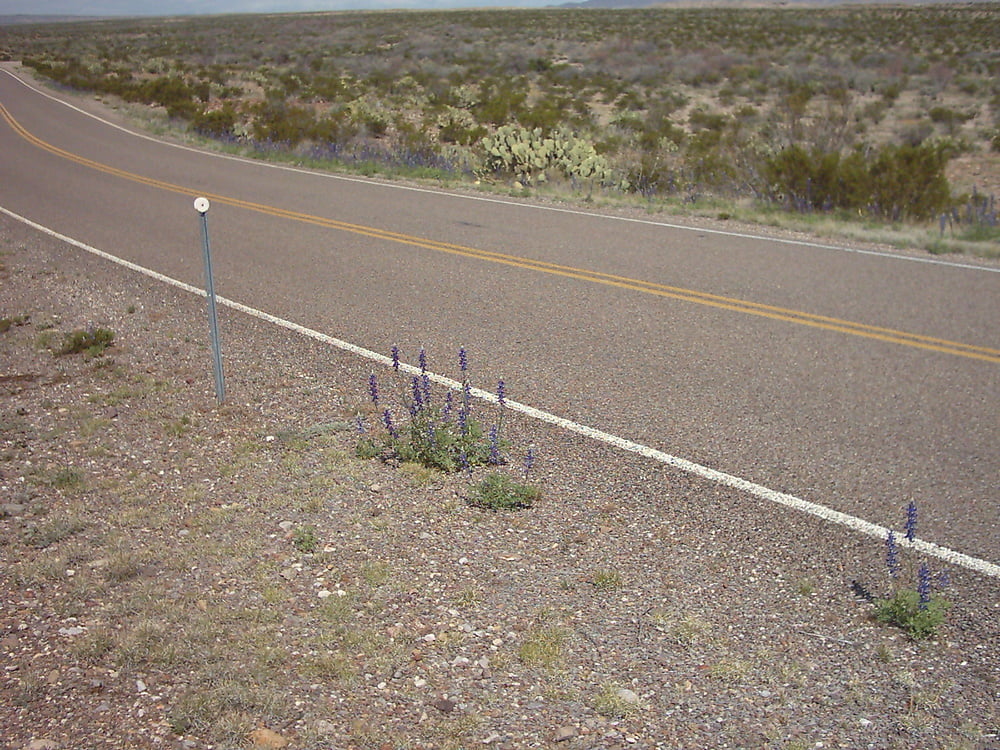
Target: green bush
point(896, 182)
point(502, 492)
point(904, 610)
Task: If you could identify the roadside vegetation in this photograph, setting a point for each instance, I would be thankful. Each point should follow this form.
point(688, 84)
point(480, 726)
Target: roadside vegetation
point(884, 117)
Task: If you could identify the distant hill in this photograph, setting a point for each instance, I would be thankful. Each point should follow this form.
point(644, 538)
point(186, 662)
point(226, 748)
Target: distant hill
point(22, 19)
point(734, 3)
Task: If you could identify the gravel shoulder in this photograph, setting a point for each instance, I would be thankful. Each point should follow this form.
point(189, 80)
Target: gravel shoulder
point(177, 574)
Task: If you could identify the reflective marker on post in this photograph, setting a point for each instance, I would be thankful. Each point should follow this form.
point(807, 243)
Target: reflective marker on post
point(201, 205)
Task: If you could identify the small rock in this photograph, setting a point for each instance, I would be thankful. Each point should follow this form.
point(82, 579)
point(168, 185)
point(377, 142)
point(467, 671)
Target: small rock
point(444, 705)
point(140, 686)
point(286, 525)
point(42, 745)
point(325, 727)
point(266, 739)
point(12, 509)
point(629, 696)
point(75, 630)
point(564, 733)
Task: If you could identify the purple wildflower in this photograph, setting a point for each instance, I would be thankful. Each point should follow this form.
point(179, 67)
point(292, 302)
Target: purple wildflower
point(426, 383)
point(418, 394)
point(387, 421)
point(924, 585)
point(395, 358)
point(892, 554)
point(449, 404)
point(463, 360)
point(423, 361)
point(360, 424)
point(911, 521)
point(943, 579)
point(501, 392)
point(529, 461)
point(373, 388)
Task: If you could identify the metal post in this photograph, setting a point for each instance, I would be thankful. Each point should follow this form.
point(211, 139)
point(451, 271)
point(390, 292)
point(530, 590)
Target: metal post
point(201, 206)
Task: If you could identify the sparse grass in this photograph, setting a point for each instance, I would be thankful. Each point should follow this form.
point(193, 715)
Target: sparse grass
point(616, 702)
point(17, 320)
point(52, 531)
point(731, 670)
point(92, 341)
point(543, 646)
point(607, 580)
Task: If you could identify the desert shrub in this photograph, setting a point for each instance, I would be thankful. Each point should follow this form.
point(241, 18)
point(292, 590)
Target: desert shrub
point(908, 182)
point(276, 121)
point(216, 123)
point(896, 182)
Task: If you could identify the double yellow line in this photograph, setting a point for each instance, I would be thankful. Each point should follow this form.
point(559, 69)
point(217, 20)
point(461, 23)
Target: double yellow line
point(622, 282)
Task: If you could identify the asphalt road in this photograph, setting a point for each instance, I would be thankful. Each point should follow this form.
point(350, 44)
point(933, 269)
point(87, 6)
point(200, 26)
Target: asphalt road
point(857, 381)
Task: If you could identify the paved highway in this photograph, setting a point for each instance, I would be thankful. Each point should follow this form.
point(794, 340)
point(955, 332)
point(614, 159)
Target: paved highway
point(857, 381)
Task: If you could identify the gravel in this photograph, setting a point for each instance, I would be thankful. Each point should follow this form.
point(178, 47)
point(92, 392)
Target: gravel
point(187, 575)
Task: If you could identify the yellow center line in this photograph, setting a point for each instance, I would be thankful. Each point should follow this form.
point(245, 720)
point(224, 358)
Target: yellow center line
point(623, 282)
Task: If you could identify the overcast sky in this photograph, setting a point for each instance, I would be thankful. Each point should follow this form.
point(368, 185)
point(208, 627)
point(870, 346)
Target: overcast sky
point(185, 7)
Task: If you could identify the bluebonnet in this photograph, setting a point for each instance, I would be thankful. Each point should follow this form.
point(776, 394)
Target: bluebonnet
point(418, 395)
point(495, 445)
point(426, 383)
point(423, 360)
point(501, 392)
point(529, 461)
point(924, 585)
point(387, 421)
point(360, 423)
point(911, 521)
point(449, 402)
point(373, 388)
point(463, 360)
point(395, 358)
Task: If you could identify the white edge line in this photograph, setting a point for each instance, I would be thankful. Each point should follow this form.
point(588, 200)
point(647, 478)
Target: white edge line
point(780, 498)
point(500, 201)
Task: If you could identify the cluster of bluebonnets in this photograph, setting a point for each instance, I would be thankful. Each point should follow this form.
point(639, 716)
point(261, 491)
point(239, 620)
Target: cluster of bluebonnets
point(437, 432)
point(918, 610)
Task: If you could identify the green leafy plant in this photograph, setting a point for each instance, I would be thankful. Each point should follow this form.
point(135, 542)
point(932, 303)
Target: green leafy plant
point(919, 611)
point(304, 539)
point(503, 492)
point(905, 610)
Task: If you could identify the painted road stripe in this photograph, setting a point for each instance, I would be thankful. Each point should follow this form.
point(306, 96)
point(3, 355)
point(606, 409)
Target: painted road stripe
point(764, 493)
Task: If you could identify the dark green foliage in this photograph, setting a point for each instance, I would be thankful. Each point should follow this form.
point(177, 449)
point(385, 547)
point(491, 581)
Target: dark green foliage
point(217, 123)
point(904, 610)
point(896, 182)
